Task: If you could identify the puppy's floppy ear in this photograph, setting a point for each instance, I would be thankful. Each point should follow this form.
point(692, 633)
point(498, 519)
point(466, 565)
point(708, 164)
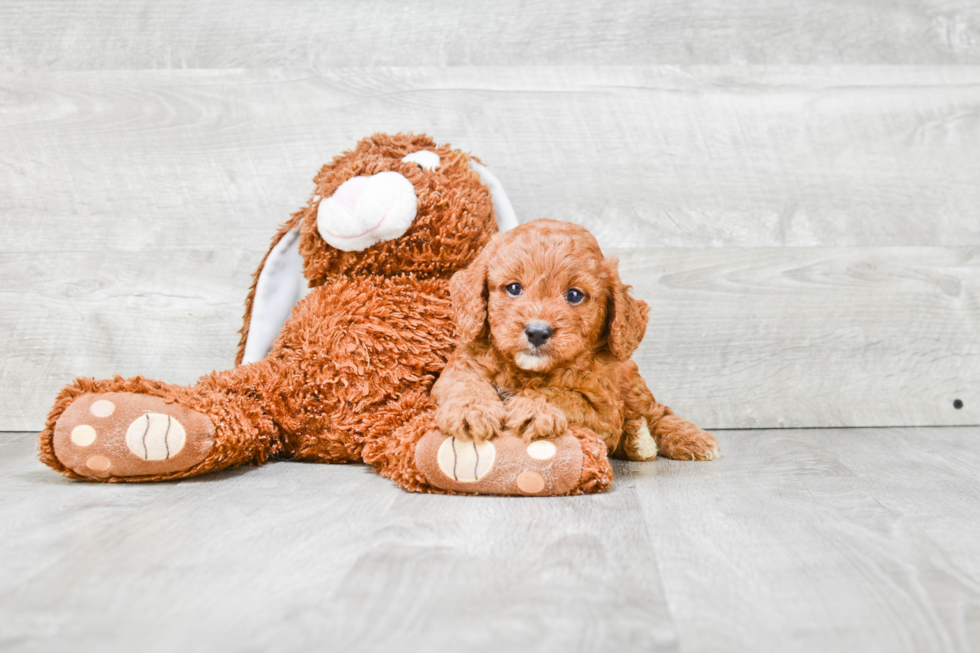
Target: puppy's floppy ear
point(626, 316)
point(468, 289)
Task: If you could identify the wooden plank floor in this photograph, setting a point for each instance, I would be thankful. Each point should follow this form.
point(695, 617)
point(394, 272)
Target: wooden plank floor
point(795, 540)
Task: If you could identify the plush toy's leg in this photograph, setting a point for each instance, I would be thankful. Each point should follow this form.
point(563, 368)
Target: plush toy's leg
point(420, 458)
point(142, 430)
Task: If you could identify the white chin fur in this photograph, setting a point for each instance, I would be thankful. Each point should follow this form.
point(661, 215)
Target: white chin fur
point(531, 363)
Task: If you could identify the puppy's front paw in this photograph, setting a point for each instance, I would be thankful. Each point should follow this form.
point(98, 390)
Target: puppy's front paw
point(477, 420)
point(533, 418)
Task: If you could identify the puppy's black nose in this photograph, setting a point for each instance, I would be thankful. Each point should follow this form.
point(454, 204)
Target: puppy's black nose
point(538, 333)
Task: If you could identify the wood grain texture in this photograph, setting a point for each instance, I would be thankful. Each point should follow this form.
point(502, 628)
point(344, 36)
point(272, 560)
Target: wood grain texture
point(654, 156)
point(168, 315)
point(137, 203)
point(299, 557)
point(816, 540)
point(46, 34)
point(812, 336)
point(737, 338)
point(821, 540)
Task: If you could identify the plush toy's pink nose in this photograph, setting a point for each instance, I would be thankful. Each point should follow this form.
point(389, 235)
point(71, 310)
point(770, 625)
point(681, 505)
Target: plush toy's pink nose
point(367, 210)
point(351, 191)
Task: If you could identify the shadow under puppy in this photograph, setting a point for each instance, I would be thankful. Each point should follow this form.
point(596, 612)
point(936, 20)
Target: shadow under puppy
point(541, 387)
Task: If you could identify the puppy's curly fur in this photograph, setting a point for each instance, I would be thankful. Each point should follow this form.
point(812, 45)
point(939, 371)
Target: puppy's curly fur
point(545, 331)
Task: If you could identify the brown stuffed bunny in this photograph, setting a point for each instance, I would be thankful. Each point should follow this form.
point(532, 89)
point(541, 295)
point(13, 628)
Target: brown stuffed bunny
point(347, 325)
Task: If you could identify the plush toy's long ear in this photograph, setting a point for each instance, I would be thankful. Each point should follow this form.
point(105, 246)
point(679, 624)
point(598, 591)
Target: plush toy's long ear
point(276, 286)
point(626, 316)
point(468, 289)
point(502, 208)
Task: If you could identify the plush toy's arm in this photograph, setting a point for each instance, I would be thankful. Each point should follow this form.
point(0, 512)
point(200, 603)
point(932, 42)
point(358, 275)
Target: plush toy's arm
point(468, 406)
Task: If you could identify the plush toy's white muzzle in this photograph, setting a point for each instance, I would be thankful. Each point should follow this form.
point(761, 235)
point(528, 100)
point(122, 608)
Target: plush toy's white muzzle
point(367, 210)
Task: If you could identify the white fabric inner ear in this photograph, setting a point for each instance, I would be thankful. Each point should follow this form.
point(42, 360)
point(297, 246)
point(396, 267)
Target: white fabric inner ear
point(281, 284)
point(506, 218)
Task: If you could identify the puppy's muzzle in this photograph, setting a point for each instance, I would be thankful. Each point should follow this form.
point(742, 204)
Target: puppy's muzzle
point(538, 333)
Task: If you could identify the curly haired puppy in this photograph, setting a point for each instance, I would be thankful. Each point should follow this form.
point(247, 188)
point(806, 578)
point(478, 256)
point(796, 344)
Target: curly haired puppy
point(545, 333)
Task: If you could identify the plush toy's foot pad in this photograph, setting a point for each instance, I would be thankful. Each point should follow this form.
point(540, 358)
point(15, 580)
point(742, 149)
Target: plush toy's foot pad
point(506, 465)
point(123, 434)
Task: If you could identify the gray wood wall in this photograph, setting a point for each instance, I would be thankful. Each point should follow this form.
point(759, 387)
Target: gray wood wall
point(795, 187)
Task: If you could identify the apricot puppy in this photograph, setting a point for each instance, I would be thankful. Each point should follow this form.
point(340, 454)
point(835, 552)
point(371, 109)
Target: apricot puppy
point(545, 332)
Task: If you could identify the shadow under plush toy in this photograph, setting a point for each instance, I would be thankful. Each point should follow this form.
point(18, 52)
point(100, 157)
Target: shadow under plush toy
point(348, 325)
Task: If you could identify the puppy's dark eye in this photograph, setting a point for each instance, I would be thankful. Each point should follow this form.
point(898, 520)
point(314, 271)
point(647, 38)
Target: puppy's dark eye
point(574, 296)
point(514, 289)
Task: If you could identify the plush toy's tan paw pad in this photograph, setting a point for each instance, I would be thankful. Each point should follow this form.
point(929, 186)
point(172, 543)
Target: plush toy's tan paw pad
point(506, 465)
point(465, 462)
point(122, 434)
